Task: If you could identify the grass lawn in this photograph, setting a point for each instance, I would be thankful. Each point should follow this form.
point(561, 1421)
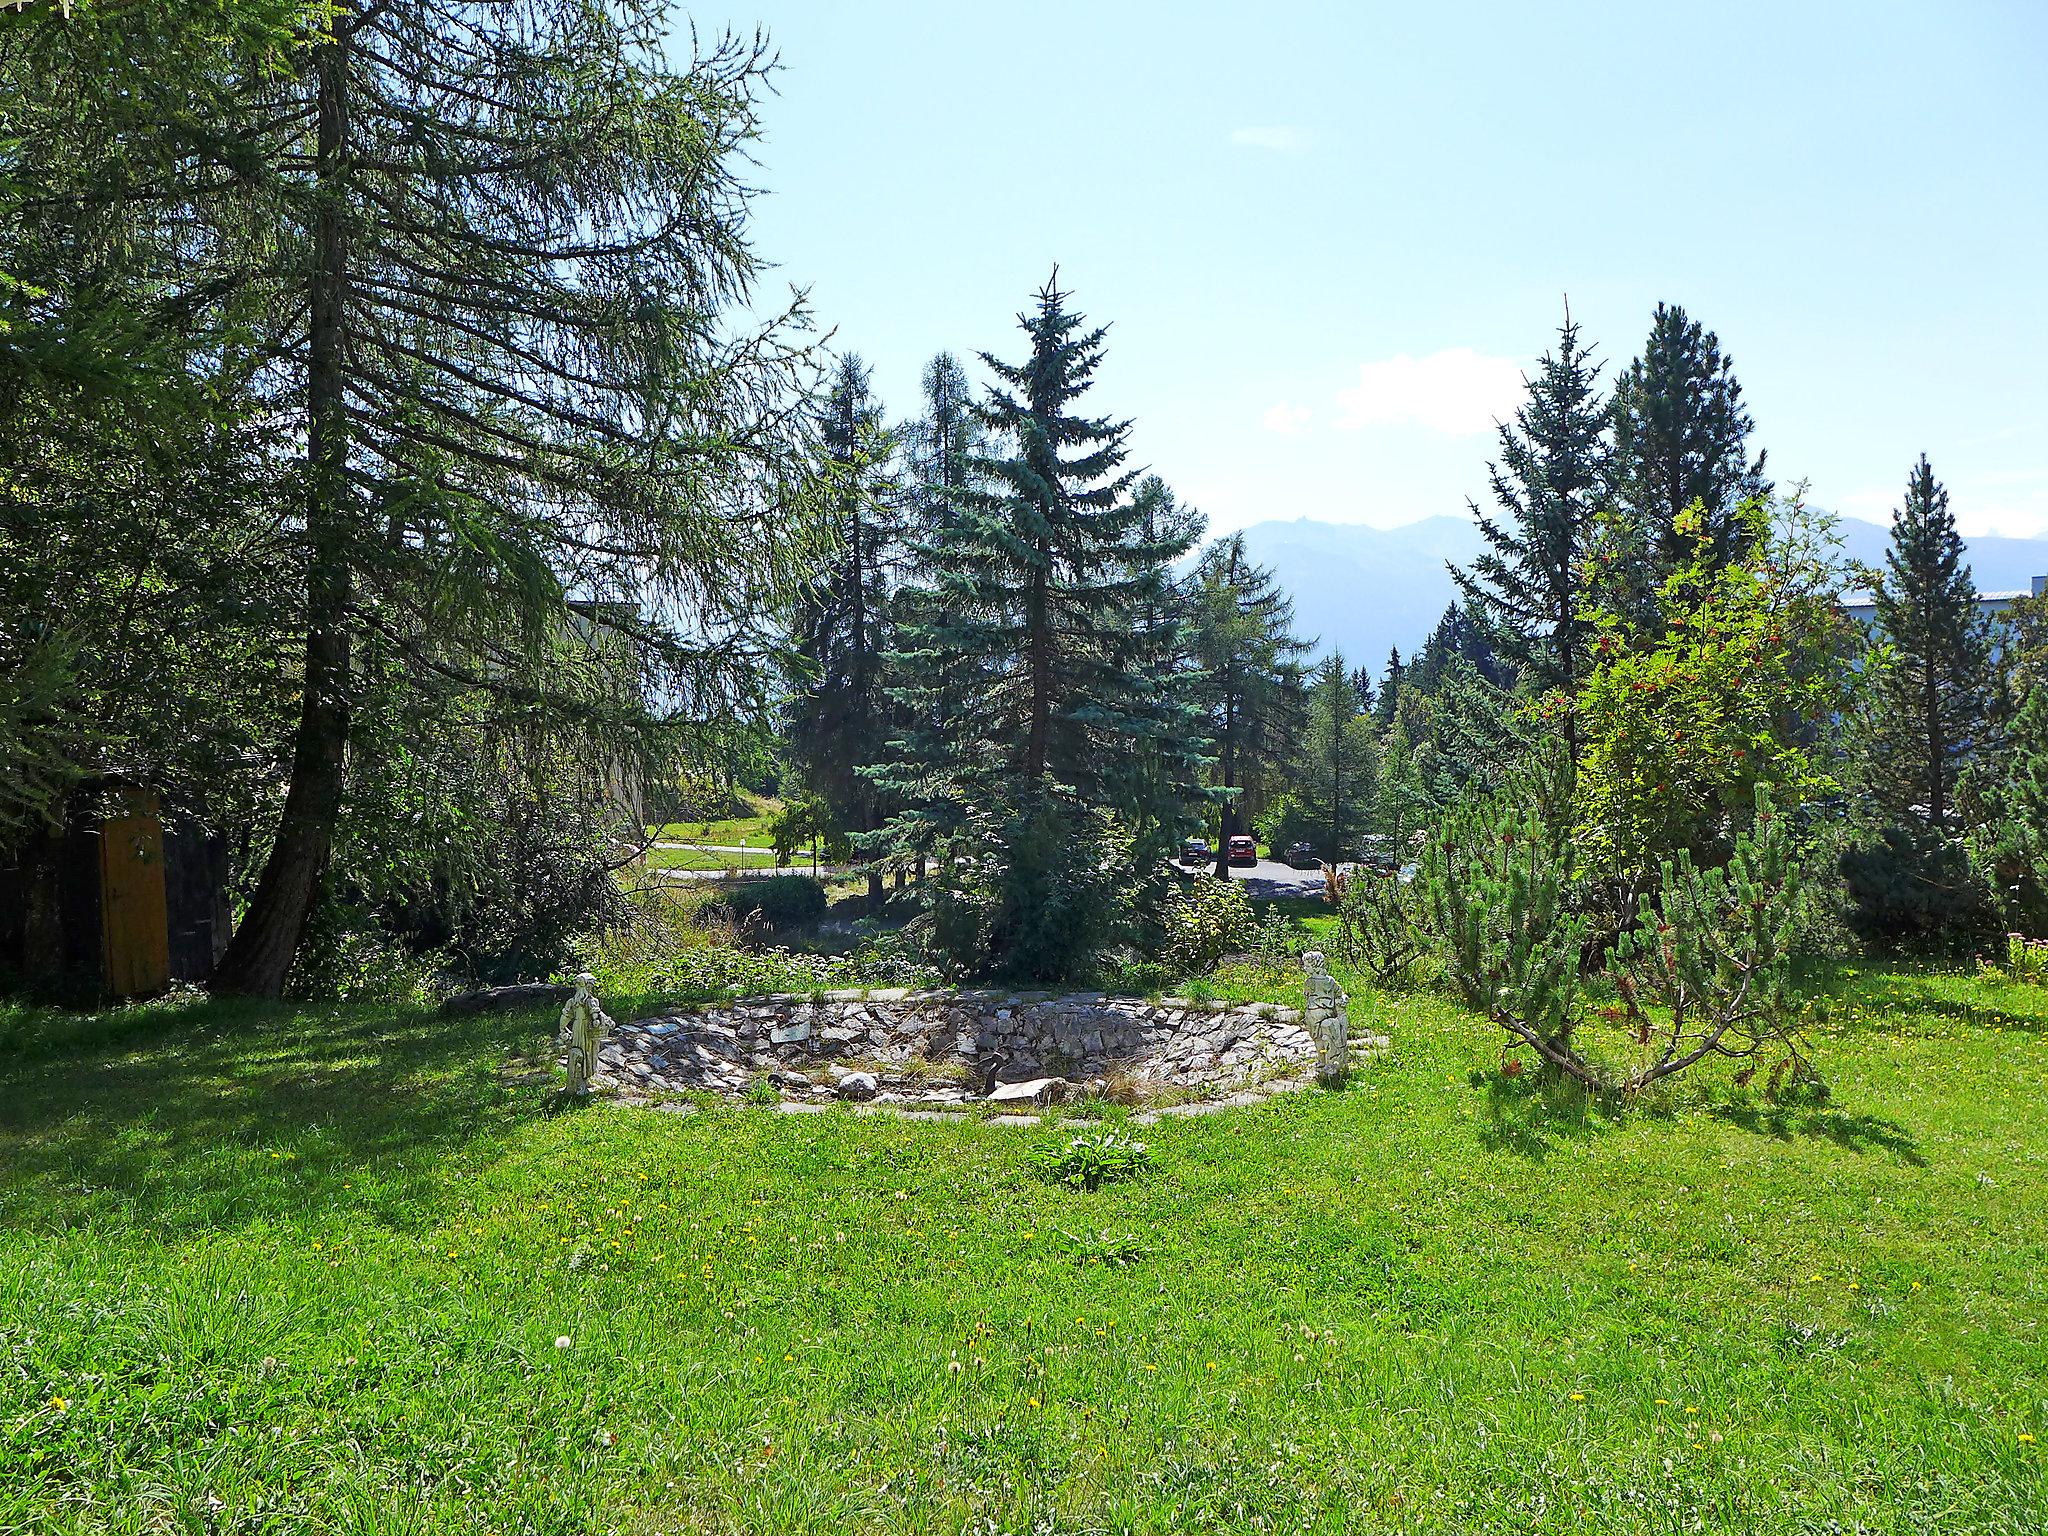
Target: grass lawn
point(698, 858)
point(732, 829)
point(265, 1269)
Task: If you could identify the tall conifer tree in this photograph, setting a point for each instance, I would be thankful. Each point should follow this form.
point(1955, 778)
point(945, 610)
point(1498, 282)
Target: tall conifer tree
point(1027, 650)
point(1252, 678)
point(837, 719)
point(1528, 588)
point(1681, 435)
point(1932, 706)
point(1335, 775)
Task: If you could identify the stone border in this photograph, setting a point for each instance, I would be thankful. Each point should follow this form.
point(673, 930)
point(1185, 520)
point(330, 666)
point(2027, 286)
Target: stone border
point(938, 1054)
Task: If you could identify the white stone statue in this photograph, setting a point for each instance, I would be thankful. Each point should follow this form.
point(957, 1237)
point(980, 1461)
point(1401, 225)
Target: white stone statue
point(584, 1022)
point(1324, 1013)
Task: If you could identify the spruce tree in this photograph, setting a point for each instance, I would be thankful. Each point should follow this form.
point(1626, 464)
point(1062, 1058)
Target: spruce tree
point(1334, 778)
point(1163, 771)
point(837, 719)
point(1681, 435)
point(1252, 679)
point(1023, 671)
point(1932, 698)
point(1389, 701)
point(1528, 589)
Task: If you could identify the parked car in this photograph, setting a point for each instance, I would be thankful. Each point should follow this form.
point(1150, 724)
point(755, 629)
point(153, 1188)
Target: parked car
point(1194, 851)
point(1378, 854)
point(1303, 856)
point(1244, 850)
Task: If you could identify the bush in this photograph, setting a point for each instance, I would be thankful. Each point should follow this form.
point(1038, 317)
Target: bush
point(1204, 921)
point(1092, 1159)
point(1912, 891)
point(1376, 930)
point(781, 901)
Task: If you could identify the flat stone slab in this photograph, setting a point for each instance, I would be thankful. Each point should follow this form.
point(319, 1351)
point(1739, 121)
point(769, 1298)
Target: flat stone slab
point(525, 994)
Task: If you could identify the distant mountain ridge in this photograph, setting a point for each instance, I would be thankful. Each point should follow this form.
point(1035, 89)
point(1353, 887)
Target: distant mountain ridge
point(1364, 590)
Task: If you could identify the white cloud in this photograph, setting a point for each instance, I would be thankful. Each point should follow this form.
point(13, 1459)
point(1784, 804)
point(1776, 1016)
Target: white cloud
point(1458, 392)
point(1285, 141)
point(1287, 420)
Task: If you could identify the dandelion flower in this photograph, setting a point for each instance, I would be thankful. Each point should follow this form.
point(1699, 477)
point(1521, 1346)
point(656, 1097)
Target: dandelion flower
point(1578, 1397)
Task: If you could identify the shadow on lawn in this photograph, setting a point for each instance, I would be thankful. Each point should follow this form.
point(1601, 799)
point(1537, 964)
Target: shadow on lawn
point(1530, 1113)
point(210, 1115)
point(1854, 1133)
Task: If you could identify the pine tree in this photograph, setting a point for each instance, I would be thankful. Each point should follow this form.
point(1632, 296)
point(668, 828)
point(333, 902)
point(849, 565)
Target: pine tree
point(837, 719)
point(1528, 589)
point(1251, 660)
point(1932, 703)
point(1681, 436)
point(1335, 775)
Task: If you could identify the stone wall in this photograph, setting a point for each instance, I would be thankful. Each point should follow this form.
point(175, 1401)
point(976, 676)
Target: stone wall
point(940, 1049)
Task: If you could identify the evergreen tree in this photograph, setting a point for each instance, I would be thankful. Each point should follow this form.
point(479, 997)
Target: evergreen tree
point(1932, 696)
point(1026, 651)
point(493, 249)
point(2008, 799)
point(1162, 775)
point(1681, 436)
point(1389, 701)
point(836, 721)
point(1334, 776)
point(1252, 684)
point(1401, 805)
point(1527, 590)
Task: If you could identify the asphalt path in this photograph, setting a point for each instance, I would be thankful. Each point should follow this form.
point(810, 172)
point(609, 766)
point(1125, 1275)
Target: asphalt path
point(1269, 878)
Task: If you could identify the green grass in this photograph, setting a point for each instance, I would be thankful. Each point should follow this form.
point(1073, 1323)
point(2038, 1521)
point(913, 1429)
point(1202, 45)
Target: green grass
point(752, 829)
point(266, 1269)
point(698, 858)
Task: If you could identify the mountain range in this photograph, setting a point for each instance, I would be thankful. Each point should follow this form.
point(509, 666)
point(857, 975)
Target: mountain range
point(1364, 590)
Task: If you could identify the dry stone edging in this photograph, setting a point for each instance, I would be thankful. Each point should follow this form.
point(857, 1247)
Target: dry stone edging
point(940, 1054)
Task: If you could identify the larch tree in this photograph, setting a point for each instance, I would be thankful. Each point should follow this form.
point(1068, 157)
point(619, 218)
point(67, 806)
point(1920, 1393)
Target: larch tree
point(1252, 678)
point(1931, 708)
point(1335, 776)
point(495, 246)
point(838, 717)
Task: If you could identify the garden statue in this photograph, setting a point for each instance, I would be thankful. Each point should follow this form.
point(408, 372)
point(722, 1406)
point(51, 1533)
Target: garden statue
point(584, 1021)
point(1323, 1011)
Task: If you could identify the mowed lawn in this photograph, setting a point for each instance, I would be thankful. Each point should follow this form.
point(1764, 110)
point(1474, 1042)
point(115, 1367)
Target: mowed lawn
point(275, 1270)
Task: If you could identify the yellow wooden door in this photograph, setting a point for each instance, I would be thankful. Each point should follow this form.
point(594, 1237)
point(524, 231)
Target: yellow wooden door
point(133, 923)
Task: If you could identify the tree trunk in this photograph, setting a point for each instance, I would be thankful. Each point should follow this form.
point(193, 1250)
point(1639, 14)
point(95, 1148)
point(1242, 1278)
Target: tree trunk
point(260, 955)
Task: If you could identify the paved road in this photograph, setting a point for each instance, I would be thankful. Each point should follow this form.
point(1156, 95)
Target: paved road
point(1269, 878)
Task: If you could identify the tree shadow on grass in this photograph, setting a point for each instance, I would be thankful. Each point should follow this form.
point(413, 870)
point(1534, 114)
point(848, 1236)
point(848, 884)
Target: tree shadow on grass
point(1852, 1132)
point(210, 1116)
point(1532, 1112)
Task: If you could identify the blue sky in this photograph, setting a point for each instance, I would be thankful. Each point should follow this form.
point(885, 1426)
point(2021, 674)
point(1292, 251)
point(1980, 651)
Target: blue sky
point(1329, 237)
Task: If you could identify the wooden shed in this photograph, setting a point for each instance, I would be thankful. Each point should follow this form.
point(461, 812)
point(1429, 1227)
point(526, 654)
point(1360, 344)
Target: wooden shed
point(124, 901)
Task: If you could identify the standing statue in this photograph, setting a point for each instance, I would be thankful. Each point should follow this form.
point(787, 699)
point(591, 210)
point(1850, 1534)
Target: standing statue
point(1324, 1012)
point(584, 1022)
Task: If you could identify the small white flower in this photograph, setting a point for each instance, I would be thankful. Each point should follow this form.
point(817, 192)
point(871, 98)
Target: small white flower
point(562, 1341)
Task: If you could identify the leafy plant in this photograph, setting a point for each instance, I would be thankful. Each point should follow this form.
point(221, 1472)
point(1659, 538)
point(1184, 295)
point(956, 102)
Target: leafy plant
point(1204, 921)
point(1104, 1248)
point(1092, 1159)
point(781, 900)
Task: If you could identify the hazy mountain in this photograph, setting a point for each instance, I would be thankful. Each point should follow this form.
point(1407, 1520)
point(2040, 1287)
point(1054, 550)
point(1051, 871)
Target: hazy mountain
point(1362, 590)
